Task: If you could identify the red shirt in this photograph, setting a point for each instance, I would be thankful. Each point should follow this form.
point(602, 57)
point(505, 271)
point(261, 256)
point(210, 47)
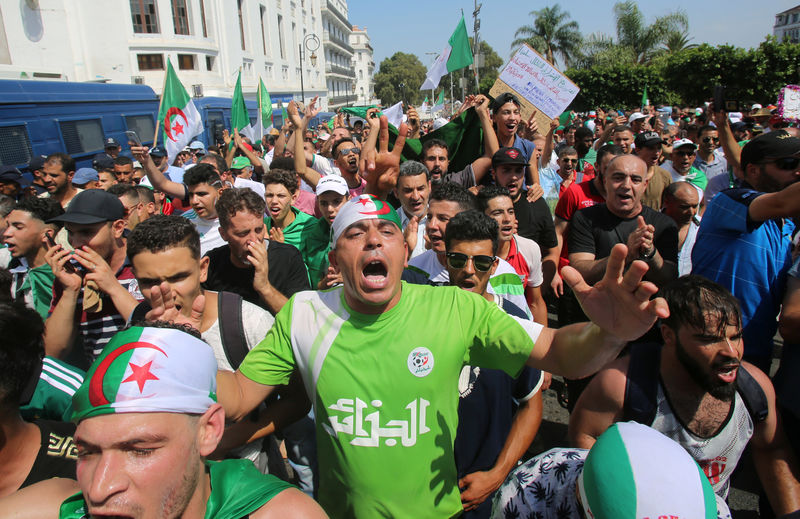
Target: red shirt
point(518, 262)
point(574, 198)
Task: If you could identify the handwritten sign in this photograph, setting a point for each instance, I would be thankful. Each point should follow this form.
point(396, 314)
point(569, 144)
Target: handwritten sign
point(789, 103)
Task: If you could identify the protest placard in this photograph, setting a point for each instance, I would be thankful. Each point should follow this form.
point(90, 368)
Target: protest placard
point(789, 103)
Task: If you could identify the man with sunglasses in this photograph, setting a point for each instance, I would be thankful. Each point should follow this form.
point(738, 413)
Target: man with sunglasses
point(681, 165)
point(744, 241)
point(346, 153)
point(498, 415)
point(710, 158)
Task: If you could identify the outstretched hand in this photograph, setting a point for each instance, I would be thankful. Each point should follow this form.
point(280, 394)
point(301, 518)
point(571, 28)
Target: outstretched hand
point(379, 166)
point(619, 303)
point(162, 301)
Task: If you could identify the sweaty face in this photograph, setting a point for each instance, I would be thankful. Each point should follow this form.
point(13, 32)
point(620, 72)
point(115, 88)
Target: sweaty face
point(507, 118)
point(437, 162)
point(413, 192)
point(202, 197)
point(510, 176)
point(55, 180)
point(177, 267)
point(329, 204)
point(625, 183)
point(711, 359)
point(624, 140)
point(774, 178)
point(244, 228)
point(683, 158)
point(682, 207)
point(279, 201)
point(440, 212)
point(501, 210)
point(370, 254)
point(139, 465)
point(468, 277)
point(24, 233)
point(124, 173)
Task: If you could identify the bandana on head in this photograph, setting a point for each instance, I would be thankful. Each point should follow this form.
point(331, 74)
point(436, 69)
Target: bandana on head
point(149, 370)
point(363, 207)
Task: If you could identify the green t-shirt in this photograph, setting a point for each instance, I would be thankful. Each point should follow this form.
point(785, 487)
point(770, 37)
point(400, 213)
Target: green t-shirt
point(52, 397)
point(296, 233)
point(318, 244)
point(385, 390)
point(590, 157)
point(237, 490)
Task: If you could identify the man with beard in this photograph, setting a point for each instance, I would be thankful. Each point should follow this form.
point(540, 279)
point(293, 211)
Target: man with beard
point(700, 393)
point(648, 148)
point(744, 241)
point(57, 173)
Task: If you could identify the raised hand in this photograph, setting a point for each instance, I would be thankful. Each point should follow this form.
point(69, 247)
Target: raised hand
point(276, 234)
point(380, 167)
point(640, 241)
point(58, 257)
point(312, 109)
point(163, 308)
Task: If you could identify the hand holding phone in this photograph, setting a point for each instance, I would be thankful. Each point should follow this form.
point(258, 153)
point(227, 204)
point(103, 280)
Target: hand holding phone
point(132, 137)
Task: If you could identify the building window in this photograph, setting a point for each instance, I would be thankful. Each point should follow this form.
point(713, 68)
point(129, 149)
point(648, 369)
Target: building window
point(180, 17)
point(150, 61)
point(209, 63)
point(203, 17)
point(241, 22)
point(263, 19)
point(280, 37)
point(186, 61)
point(144, 16)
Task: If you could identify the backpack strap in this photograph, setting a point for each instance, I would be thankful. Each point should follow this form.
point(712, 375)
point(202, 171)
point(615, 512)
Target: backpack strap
point(753, 395)
point(231, 329)
point(641, 386)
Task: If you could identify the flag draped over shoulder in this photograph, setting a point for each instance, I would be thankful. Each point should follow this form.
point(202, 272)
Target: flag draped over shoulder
point(456, 55)
point(240, 119)
point(179, 118)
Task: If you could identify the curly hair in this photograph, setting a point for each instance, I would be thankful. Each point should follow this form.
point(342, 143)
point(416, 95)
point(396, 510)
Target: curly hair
point(284, 177)
point(233, 200)
point(21, 350)
point(163, 232)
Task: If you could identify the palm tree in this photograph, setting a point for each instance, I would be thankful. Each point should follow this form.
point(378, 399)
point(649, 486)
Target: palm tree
point(551, 34)
point(678, 41)
point(645, 40)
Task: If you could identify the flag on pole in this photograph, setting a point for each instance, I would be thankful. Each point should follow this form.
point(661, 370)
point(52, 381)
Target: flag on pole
point(178, 116)
point(264, 118)
point(240, 119)
point(645, 100)
point(439, 105)
point(456, 55)
point(423, 108)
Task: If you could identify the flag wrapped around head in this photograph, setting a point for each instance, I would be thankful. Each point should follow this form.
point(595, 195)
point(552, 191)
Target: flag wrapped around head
point(364, 207)
point(149, 370)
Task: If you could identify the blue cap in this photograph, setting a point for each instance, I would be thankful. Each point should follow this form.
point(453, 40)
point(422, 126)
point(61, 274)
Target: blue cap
point(111, 143)
point(197, 146)
point(158, 151)
point(102, 161)
point(84, 176)
point(12, 174)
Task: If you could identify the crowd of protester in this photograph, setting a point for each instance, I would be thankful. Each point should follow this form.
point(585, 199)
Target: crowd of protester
point(282, 308)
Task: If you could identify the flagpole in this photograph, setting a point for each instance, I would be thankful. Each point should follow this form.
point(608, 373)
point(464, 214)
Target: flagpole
point(160, 101)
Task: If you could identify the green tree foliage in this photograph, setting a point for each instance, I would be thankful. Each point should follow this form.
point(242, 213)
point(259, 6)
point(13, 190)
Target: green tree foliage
point(551, 34)
point(687, 77)
point(399, 78)
point(677, 41)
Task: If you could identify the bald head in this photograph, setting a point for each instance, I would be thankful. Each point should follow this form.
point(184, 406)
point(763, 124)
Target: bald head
point(680, 202)
point(625, 180)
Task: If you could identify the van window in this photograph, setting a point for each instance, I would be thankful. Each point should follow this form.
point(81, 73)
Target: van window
point(143, 126)
point(82, 136)
point(15, 145)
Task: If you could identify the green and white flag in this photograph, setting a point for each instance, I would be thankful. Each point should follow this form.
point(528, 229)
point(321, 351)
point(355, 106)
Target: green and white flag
point(439, 105)
point(456, 55)
point(149, 370)
point(264, 119)
point(240, 119)
point(423, 108)
point(645, 99)
point(180, 120)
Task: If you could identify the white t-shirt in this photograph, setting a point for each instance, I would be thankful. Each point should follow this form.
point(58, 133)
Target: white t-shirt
point(208, 229)
point(252, 184)
point(419, 248)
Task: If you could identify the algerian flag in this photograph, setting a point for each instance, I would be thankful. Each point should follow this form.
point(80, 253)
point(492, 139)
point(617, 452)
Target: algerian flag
point(456, 55)
point(149, 370)
point(240, 119)
point(178, 116)
point(439, 106)
point(645, 100)
point(394, 114)
point(256, 131)
point(423, 109)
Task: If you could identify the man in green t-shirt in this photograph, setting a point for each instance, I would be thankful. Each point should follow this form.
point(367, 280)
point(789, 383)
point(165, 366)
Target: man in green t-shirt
point(380, 359)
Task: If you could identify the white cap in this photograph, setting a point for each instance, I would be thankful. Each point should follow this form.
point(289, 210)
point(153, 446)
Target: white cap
point(756, 107)
point(635, 116)
point(332, 183)
point(683, 142)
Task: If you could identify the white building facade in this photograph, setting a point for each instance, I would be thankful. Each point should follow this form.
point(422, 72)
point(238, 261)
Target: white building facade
point(363, 65)
point(207, 41)
point(339, 73)
point(787, 25)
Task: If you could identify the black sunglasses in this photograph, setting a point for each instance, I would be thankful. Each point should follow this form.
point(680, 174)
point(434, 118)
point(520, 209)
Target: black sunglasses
point(348, 151)
point(709, 139)
point(685, 153)
point(786, 163)
point(457, 260)
point(571, 161)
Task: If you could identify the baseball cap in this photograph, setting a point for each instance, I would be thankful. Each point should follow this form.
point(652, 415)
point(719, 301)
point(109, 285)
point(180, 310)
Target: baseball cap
point(505, 97)
point(741, 125)
point(92, 206)
point(158, 151)
point(37, 163)
point(197, 146)
point(12, 174)
point(149, 370)
point(508, 156)
point(111, 143)
point(84, 175)
point(635, 116)
point(634, 471)
point(680, 143)
point(333, 183)
point(755, 107)
point(102, 161)
point(241, 162)
point(363, 207)
point(773, 145)
point(647, 139)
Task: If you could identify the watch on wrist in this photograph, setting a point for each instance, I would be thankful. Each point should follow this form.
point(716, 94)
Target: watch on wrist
point(647, 256)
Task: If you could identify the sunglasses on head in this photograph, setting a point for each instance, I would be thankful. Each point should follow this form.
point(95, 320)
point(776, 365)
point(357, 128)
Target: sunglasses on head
point(348, 151)
point(458, 260)
point(785, 163)
point(709, 139)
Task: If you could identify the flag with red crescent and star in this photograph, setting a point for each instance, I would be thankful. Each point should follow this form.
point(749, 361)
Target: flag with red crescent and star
point(179, 119)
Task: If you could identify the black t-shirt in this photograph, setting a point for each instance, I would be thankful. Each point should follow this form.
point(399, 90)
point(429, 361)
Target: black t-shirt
point(596, 230)
point(57, 454)
point(287, 273)
point(536, 222)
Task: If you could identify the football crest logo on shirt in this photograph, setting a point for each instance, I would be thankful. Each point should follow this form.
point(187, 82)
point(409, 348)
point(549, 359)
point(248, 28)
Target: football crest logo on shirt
point(420, 362)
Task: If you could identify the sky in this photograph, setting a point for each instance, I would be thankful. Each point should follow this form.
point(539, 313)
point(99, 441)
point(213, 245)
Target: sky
point(420, 27)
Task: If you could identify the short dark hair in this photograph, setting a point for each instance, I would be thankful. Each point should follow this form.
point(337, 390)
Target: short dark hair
point(621, 128)
point(109, 171)
point(434, 143)
point(692, 299)
point(66, 162)
point(201, 174)
point(233, 200)
point(472, 226)
point(40, 208)
point(286, 163)
point(339, 142)
point(284, 177)
point(583, 132)
point(218, 161)
point(21, 350)
point(491, 192)
point(607, 149)
point(146, 195)
point(122, 160)
point(412, 168)
point(127, 190)
point(706, 128)
point(163, 232)
point(451, 192)
point(567, 150)
point(6, 205)
point(570, 127)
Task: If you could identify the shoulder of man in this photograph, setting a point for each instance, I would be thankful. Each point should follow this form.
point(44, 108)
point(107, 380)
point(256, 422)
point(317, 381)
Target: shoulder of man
point(651, 216)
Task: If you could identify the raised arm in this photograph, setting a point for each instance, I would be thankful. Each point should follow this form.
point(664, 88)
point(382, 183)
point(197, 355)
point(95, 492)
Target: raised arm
point(255, 160)
point(547, 151)
point(731, 148)
point(482, 165)
point(309, 175)
point(159, 181)
point(380, 166)
point(782, 204)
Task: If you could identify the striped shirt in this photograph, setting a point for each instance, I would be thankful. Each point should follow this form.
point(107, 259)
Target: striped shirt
point(52, 396)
